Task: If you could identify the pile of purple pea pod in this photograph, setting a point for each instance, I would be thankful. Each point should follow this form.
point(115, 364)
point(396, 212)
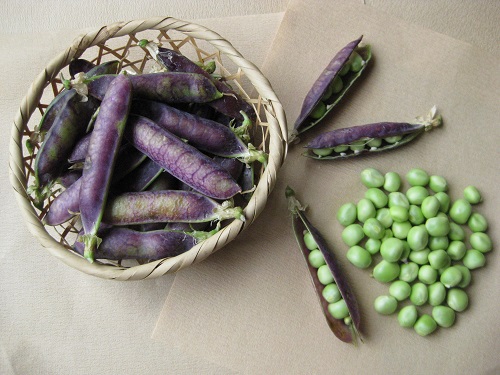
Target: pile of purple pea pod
point(150, 164)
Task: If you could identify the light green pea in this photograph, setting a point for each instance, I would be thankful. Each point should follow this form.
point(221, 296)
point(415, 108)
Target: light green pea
point(388, 234)
point(408, 272)
point(345, 69)
point(341, 148)
point(384, 217)
point(331, 293)
point(365, 209)
point(438, 259)
point(393, 139)
point(316, 258)
point(359, 257)
point(318, 111)
point(444, 316)
point(438, 243)
point(338, 309)
point(456, 250)
point(438, 183)
point(481, 241)
point(400, 290)
point(309, 241)
point(472, 195)
point(356, 62)
point(327, 94)
point(460, 211)
point(357, 145)
point(417, 177)
point(477, 222)
point(372, 245)
point(377, 196)
point(417, 194)
point(385, 305)
point(437, 226)
point(430, 206)
point(399, 213)
point(466, 276)
point(322, 151)
point(391, 249)
point(373, 229)
point(347, 214)
point(392, 182)
point(400, 230)
point(444, 201)
point(474, 259)
point(456, 232)
point(372, 178)
point(337, 85)
point(352, 234)
point(427, 274)
point(425, 325)
point(324, 274)
point(419, 294)
point(420, 257)
point(407, 316)
point(396, 198)
point(374, 143)
point(415, 215)
point(437, 293)
point(457, 299)
point(451, 277)
point(385, 271)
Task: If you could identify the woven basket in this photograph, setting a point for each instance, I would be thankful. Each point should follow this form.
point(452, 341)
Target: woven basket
point(119, 41)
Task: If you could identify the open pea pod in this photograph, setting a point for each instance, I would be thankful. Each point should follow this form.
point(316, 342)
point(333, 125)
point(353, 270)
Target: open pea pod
point(347, 332)
point(332, 84)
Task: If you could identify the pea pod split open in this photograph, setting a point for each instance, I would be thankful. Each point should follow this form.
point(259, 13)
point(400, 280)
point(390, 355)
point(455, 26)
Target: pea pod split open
point(339, 75)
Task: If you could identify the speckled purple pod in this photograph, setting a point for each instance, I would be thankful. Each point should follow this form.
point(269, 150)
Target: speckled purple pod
point(65, 206)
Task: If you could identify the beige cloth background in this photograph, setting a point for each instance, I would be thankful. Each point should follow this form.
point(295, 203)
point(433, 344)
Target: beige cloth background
point(56, 320)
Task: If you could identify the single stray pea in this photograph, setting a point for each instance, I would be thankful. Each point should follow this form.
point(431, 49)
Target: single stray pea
point(444, 316)
point(377, 196)
point(359, 257)
point(438, 183)
point(385, 305)
point(481, 241)
point(407, 316)
point(457, 299)
point(477, 222)
point(425, 325)
point(346, 214)
point(417, 177)
point(473, 259)
point(472, 195)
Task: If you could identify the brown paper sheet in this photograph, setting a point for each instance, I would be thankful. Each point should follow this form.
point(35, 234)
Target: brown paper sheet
point(251, 307)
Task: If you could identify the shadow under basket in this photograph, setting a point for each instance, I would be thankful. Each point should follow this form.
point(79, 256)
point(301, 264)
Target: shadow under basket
point(119, 41)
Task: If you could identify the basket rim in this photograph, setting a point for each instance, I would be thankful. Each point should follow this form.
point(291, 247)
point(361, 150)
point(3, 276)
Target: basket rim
point(277, 149)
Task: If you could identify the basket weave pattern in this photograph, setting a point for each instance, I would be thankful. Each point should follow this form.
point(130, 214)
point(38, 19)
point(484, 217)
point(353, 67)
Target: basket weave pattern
point(119, 41)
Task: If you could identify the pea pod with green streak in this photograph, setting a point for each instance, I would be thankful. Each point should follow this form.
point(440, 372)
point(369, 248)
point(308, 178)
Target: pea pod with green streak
point(377, 137)
point(347, 333)
point(103, 149)
point(320, 100)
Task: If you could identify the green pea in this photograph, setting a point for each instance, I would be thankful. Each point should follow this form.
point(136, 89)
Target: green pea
point(437, 293)
point(456, 250)
point(396, 198)
point(444, 201)
point(406, 251)
point(318, 111)
point(437, 226)
point(417, 177)
point(443, 315)
point(324, 274)
point(417, 194)
point(418, 238)
point(309, 241)
point(399, 213)
point(425, 325)
point(337, 85)
point(347, 320)
point(420, 257)
point(338, 309)
point(457, 299)
point(407, 316)
point(331, 293)
point(391, 249)
point(415, 215)
point(460, 211)
point(456, 232)
point(481, 241)
point(438, 243)
point(352, 234)
point(472, 195)
point(341, 148)
point(384, 217)
point(385, 271)
point(393, 139)
point(372, 245)
point(377, 196)
point(451, 277)
point(387, 234)
point(373, 228)
point(365, 209)
point(466, 276)
point(372, 178)
point(430, 206)
point(359, 257)
point(419, 294)
point(374, 143)
point(356, 62)
point(473, 259)
point(347, 214)
point(427, 274)
point(345, 69)
point(316, 258)
point(400, 230)
point(357, 145)
point(408, 272)
point(438, 259)
point(438, 183)
point(322, 151)
point(392, 181)
point(327, 94)
point(400, 290)
point(385, 305)
point(477, 222)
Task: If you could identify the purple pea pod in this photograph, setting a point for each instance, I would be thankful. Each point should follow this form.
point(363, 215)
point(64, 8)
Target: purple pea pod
point(205, 135)
point(346, 329)
point(79, 152)
point(141, 177)
point(103, 149)
point(69, 178)
point(167, 87)
point(332, 84)
point(79, 66)
point(361, 139)
point(233, 166)
point(167, 206)
point(181, 160)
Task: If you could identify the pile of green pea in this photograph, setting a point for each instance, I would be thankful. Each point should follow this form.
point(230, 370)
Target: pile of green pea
point(428, 244)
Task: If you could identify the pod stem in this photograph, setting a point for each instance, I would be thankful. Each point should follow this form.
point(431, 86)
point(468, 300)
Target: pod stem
point(242, 130)
point(431, 121)
point(200, 235)
point(91, 242)
point(227, 211)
